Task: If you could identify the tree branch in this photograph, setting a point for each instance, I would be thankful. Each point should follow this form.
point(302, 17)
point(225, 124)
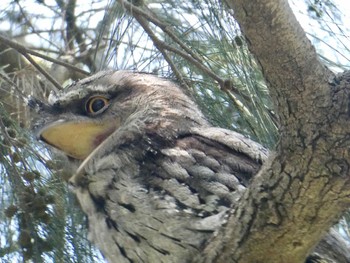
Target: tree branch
point(303, 189)
point(22, 49)
point(285, 54)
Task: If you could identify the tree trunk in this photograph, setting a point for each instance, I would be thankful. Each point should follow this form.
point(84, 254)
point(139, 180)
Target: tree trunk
point(304, 187)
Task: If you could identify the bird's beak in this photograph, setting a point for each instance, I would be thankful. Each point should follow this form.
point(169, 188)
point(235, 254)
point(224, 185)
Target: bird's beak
point(77, 139)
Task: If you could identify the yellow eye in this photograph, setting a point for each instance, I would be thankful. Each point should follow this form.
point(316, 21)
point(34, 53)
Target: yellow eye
point(96, 104)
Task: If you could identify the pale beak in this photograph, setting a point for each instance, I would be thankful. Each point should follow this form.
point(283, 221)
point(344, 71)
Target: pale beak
point(77, 139)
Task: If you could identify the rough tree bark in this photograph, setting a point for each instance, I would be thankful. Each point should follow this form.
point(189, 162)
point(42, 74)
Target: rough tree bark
point(304, 187)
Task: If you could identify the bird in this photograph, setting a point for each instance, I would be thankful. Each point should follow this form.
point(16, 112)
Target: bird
point(155, 179)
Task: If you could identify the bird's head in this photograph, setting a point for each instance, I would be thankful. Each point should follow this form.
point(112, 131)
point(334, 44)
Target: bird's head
point(85, 115)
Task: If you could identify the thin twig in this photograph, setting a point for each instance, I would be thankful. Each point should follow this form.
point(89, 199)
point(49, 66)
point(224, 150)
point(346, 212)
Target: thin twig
point(30, 25)
point(187, 54)
point(22, 49)
point(143, 22)
point(23, 96)
point(42, 71)
point(165, 27)
point(225, 85)
point(74, 34)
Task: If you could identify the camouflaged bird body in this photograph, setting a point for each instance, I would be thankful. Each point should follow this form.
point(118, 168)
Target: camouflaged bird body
point(155, 180)
point(164, 204)
point(161, 185)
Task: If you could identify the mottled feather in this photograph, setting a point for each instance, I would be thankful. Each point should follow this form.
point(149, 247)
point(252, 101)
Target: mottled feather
point(164, 182)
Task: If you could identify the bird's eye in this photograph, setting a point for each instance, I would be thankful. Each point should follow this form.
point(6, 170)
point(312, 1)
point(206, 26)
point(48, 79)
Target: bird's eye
point(96, 104)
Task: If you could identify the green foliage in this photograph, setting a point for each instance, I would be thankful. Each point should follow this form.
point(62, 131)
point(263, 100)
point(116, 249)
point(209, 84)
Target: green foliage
point(34, 225)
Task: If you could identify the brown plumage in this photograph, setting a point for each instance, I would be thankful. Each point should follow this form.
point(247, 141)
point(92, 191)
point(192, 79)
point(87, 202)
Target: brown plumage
point(155, 180)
